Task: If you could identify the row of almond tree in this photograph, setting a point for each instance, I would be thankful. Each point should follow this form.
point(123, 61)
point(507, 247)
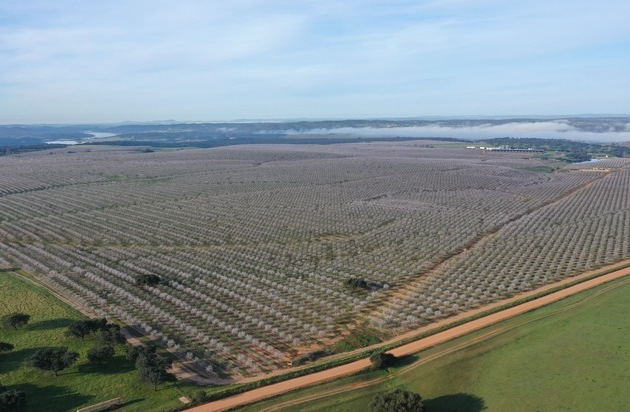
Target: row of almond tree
point(251, 249)
point(580, 232)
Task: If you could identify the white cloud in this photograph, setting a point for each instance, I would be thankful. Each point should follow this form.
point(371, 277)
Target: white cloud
point(145, 59)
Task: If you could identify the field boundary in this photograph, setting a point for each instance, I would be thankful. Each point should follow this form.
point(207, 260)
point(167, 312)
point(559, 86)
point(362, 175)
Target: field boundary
point(482, 239)
point(494, 332)
point(180, 369)
point(466, 322)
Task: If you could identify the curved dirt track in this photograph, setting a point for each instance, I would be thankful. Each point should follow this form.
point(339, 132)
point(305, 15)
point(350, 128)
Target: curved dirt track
point(420, 344)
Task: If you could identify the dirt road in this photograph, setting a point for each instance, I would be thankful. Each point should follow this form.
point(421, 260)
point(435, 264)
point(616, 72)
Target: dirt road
point(421, 344)
point(491, 332)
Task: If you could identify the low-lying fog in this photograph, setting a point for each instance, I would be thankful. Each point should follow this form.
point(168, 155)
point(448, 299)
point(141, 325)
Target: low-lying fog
point(546, 129)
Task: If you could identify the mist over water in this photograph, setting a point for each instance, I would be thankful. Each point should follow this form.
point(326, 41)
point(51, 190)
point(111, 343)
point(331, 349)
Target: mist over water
point(546, 130)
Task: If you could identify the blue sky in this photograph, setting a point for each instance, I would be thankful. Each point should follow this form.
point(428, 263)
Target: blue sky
point(88, 61)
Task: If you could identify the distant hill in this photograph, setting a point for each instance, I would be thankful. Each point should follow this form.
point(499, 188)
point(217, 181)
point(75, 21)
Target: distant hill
point(211, 134)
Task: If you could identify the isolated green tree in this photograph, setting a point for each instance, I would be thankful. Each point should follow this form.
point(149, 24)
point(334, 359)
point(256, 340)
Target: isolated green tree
point(398, 400)
point(78, 329)
point(14, 320)
point(5, 347)
point(82, 328)
point(133, 352)
point(95, 325)
point(358, 283)
point(110, 335)
point(12, 400)
point(53, 359)
point(382, 360)
point(150, 280)
point(100, 354)
point(152, 368)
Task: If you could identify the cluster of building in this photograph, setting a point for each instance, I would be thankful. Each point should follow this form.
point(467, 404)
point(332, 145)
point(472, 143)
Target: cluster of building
point(505, 148)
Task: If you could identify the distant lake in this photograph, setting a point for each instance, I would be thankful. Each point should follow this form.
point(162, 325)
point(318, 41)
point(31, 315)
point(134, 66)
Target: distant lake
point(100, 135)
point(62, 142)
point(94, 135)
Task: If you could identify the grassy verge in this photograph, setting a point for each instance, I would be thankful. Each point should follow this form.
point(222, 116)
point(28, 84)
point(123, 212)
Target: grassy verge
point(569, 355)
point(81, 385)
point(236, 389)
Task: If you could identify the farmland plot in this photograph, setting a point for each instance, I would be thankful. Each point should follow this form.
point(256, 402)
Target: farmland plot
point(253, 245)
point(583, 230)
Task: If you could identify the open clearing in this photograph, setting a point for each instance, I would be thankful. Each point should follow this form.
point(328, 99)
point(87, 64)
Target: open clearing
point(569, 355)
point(82, 384)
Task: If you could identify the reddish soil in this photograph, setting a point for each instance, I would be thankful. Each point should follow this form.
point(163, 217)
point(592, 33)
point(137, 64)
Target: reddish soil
point(424, 343)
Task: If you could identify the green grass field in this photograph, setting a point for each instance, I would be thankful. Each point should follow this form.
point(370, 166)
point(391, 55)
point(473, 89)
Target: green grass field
point(81, 385)
point(573, 355)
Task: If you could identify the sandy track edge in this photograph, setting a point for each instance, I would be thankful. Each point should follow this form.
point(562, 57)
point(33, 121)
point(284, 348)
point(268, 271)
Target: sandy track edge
point(586, 281)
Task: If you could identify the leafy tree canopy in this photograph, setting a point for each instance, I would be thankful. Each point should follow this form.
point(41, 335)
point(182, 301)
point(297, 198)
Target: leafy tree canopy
point(150, 280)
point(95, 325)
point(100, 354)
point(53, 359)
point(78, 329)
point(382, 360)
point(14, 320)
point(359, 283)
point(398, 400)
point(110, 335)
point(5, 347)
point(12, 400)
point(152, 368)
point(133, 352)
point(82, 328)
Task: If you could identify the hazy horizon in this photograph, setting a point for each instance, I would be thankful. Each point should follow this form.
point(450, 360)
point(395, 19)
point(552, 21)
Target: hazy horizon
point(588, 129)
point(550, 117)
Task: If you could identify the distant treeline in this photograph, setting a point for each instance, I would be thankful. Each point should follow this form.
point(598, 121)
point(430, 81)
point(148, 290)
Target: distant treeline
point(10, 150)
point(218, 141)
point(570, 150)
point(34, 135)
point(573, 151)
